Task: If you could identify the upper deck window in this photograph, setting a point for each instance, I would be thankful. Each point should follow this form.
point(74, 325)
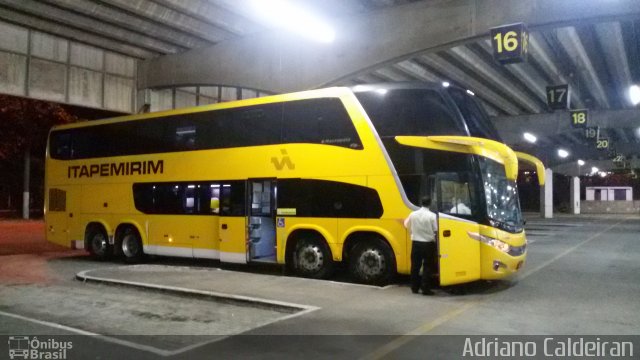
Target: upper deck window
point(318, 121)
point(418, 112)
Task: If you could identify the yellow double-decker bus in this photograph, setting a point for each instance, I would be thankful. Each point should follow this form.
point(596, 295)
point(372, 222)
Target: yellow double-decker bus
point(307, 179)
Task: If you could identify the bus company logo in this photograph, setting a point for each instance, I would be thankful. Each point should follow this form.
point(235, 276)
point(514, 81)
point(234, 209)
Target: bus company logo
point(282, 162)
point(25, 347)
point(116, 169)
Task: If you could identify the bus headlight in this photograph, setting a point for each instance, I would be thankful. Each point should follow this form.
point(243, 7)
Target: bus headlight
point(500, 245)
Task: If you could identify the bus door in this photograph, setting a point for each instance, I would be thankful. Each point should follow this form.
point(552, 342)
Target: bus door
point(458, 252)
point(261, 220)
point(232, 228)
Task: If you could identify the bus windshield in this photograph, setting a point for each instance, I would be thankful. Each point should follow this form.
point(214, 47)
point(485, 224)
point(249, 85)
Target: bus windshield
point(501, 196)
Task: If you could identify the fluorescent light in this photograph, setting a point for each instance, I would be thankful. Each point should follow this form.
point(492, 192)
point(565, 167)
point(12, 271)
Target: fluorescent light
point(563, 153)
point(286, 15)
point(446, 84)
point(382, 91)
point(471, 93)
point(634, 94)
point(580, 162)
point(530, 137)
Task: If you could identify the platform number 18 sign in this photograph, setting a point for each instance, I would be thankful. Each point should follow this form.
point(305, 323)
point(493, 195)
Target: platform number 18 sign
point(579, 118)
point(510, 43)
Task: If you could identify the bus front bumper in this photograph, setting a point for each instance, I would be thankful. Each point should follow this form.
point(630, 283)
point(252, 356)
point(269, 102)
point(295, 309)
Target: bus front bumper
point(497, 264)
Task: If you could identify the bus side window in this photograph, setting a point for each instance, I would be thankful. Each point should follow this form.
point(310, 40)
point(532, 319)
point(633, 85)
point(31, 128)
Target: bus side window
point(209, 198)
point(190, 199)
point(232, 200)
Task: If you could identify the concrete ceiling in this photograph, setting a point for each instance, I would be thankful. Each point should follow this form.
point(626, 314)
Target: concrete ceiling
point(598, 60)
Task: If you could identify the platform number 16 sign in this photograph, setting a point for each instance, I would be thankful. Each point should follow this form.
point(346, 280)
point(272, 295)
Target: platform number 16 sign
point(510, 43)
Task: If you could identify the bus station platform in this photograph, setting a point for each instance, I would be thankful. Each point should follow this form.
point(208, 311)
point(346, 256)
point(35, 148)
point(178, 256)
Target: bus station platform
point(180, 307)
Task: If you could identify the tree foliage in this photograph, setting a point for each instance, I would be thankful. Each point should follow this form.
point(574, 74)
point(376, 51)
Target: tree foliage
point(24, 125)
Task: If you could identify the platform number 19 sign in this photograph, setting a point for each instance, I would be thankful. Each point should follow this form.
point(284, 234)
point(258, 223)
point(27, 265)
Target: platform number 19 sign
point(579, 118)
point(510, 43)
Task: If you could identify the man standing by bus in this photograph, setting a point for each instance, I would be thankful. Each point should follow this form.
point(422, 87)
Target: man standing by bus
point(423, 225)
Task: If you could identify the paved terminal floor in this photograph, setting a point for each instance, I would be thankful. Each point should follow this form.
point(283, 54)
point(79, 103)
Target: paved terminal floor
point(581, 278)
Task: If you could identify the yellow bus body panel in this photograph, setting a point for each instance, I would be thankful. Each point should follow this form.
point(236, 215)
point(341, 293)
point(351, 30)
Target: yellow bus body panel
point(459, 254)
point(108, 199)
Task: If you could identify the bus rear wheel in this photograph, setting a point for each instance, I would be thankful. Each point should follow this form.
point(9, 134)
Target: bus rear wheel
point(312, 258)
point(131, 246)
point(372, 262)
point(98, 243)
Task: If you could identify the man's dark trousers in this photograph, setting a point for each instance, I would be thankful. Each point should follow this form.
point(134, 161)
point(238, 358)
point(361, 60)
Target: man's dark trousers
point(422, 253)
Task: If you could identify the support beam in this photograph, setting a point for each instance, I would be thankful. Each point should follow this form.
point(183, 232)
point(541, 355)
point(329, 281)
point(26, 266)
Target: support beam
point(128, 21)
point(72, 34)
point(610, 38)
point(570, 41)
point(282, 62)
point(73, 20)
point(548, 124)
point(170, 17)
point(489, 75)
point(416, 70)
point(542, 55)
point(524, 72)
point(456, 75)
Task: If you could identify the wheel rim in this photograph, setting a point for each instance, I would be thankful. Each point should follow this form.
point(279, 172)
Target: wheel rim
point(310, 258)
point(99, 244)
point(372, 263)
point(130, 246)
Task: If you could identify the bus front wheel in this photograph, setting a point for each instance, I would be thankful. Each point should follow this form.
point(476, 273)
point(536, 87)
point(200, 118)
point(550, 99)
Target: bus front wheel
point(131, 246)
point(372, 262)
point(98, 243)
point(312, 258)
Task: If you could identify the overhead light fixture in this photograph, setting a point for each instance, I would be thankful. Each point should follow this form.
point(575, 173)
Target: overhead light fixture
point(634, 94)
point(530, 137)
point(446, 84)
point(603, 174)
point(382, 91)
point(594, 170)
point(563, 153)
point(580, 162)
point(286, 15)
point(471, 93)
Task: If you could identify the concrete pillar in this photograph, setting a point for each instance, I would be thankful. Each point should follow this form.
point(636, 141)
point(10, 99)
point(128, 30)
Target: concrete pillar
point(575, 195)
point(26, 181)
point(546, 195)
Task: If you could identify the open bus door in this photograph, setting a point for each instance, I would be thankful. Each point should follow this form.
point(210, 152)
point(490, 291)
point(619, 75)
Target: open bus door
point(458, 253)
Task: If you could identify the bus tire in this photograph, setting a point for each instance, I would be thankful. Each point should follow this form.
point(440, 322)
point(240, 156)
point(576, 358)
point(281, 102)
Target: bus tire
point(130, 246)
point(312, 258)
point(372, 262)
point(98, 243)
